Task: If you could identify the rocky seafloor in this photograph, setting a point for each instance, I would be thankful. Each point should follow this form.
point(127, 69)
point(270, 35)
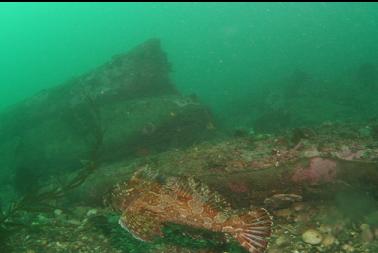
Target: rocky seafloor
point(330, 207)
point(302, 227)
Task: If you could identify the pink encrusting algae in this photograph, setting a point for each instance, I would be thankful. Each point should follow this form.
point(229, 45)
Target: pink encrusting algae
point(320, 170)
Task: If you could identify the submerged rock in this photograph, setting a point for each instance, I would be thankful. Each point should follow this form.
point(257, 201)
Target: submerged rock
point(282, 200)
point(312, 236)
point(328, 241)
point(367, 234)
point(58, 212)
point(348, 248)
point(92, 212)
point(131, 99)
point(282, 240)
point(266, 171)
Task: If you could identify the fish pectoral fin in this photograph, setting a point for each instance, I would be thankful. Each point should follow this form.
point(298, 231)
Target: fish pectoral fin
point(254, 230)
point(193, 188)
point(144, 225)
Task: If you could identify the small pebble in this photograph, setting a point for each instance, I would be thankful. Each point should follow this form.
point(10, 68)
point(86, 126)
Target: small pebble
point(366, 233)
point(284, 213)
point(58, 212)
point(282, 241)
point(328, 241)
point(92, 212)
point(302, 218)
point(74, 222)
point(347, 248)
point(312, 236)
point(376, 233)
point(299, 206)
point(326, 229)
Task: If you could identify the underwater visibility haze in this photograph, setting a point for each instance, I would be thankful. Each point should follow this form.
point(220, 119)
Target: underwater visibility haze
point(188, 127)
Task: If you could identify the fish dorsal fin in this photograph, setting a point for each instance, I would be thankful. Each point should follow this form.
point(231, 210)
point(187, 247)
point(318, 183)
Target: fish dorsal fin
point(143, 225)
point(192, 187)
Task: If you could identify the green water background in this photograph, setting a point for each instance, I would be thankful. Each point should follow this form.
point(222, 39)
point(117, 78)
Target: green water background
point(226, 53)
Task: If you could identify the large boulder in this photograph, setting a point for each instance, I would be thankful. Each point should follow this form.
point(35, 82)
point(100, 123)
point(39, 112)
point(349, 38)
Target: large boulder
point(130, 98)
point(259, 170)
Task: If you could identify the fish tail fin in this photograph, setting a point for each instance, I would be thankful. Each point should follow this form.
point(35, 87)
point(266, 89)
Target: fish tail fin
point(252, 230)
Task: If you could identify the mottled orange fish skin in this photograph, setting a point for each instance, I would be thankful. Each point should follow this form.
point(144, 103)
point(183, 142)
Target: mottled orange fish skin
point(146, 205)
point(179, 209)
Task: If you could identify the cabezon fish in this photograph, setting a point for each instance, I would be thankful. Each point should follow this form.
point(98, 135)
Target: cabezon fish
point(147, 201)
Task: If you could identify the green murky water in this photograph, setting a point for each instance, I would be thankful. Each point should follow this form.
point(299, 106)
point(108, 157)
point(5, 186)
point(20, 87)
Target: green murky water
point(90, 92)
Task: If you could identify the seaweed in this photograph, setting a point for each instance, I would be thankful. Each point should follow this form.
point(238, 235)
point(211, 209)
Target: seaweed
point(42, 198)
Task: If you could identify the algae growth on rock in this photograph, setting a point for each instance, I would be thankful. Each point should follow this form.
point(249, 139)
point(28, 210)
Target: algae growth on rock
point(141, 112)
